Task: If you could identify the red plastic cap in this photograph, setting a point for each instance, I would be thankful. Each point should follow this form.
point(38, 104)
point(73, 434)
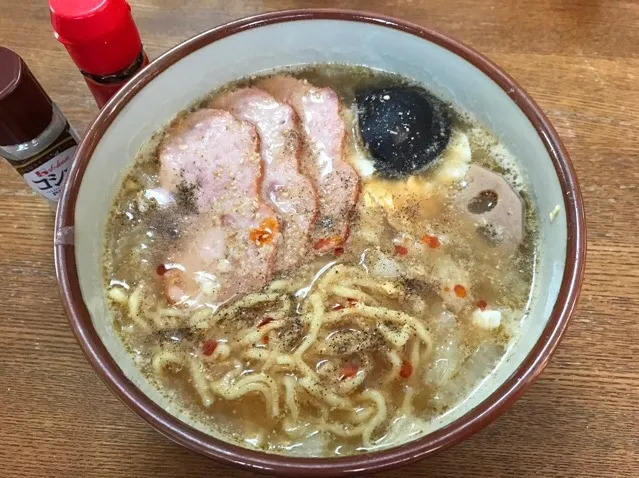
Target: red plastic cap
point(100, 35)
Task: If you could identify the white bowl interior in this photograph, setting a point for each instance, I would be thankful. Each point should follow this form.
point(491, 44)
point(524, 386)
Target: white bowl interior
point(303, 42)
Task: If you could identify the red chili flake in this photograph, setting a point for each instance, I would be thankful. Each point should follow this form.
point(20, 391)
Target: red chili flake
point(267, 320)
point(161, 270)
point(401, 250)
point(208, 347)
point(265, 339)
point(347, 233)
point(481, 304)
point(431, 241)
point(406, 370)
point(350, 302)
point(265, 232)
point(349, 371)
point(460, 291)
point(328, 243)
point(339, 251)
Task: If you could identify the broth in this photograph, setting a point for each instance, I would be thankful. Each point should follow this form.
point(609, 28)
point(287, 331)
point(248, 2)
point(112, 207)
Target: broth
point(351, 350)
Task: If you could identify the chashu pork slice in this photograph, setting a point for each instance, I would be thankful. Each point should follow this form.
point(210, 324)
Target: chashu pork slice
point(335, 180)
point(284, 188)
point(210, 162)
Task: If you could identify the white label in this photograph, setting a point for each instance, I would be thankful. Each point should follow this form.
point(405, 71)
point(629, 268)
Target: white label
point(48, 178)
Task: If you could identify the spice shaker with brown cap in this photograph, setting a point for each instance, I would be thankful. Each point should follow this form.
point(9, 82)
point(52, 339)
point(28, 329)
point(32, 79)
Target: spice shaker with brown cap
point(35, 137)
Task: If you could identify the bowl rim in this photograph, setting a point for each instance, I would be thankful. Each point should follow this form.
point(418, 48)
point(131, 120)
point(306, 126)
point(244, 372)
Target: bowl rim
point(466, 425)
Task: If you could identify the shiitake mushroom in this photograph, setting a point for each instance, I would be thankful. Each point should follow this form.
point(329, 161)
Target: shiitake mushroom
point(404, 128)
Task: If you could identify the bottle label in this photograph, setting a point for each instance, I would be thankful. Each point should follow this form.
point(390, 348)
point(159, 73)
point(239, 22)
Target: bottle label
point(103, 87)
point(47, 172)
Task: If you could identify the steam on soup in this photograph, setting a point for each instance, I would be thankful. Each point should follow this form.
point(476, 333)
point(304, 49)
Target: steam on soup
point(320, 262)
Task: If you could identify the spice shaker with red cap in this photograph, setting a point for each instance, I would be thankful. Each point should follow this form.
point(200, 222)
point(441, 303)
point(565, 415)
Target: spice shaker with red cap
point(35, 137)
point(102, 40)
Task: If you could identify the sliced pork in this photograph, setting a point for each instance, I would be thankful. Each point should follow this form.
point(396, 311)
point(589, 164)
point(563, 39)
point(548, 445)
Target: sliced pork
point(210, 162)
point(290, 193)
point(336, 182)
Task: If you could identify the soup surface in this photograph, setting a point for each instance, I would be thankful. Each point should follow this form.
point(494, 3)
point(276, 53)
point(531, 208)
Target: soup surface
point(319, 262)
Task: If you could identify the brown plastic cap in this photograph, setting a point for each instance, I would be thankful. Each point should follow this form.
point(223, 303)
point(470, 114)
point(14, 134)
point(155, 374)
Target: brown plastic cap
point(25, 109)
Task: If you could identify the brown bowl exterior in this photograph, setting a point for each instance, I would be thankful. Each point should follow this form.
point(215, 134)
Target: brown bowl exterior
point(460, 429)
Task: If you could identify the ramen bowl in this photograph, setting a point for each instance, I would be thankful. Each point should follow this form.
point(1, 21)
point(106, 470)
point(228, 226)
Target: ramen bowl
point(241, 48)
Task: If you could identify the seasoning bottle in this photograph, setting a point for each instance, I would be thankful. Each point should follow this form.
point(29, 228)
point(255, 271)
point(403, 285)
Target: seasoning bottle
point(102, 40)
point(35, 137)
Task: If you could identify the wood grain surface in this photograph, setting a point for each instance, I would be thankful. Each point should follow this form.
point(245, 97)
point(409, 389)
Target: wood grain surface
point(578, 58)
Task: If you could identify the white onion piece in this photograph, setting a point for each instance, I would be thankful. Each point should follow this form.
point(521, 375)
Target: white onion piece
point(446, 360)
point(161, 196)
point(364, 166)
point(483, 361)
point(486, 319)
point(387, 268)
point(446, 320)
point(312, 445)
point(455, 159)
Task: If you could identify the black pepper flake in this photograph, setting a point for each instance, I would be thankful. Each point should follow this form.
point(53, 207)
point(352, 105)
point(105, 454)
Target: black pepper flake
point(186, 196)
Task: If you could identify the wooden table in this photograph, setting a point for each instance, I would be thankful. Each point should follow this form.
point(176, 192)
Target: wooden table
point(578, 58)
